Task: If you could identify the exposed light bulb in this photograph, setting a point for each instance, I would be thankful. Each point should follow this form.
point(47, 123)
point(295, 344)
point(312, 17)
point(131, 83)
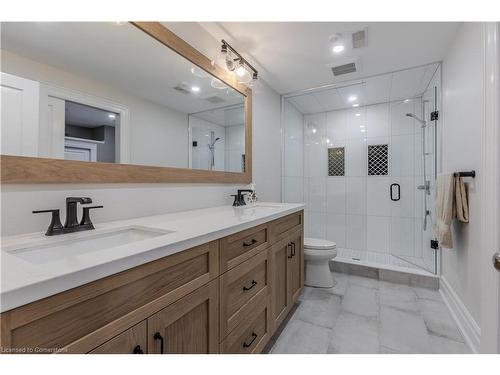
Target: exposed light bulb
point(352, 98)
point(338, 48)
point(240, 71)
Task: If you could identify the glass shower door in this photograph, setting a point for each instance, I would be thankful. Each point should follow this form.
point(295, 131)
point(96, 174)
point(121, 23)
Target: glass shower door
point(425, 147)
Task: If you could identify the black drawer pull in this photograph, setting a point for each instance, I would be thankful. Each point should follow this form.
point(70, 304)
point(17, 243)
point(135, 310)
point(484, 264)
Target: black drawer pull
point(138, 350)
point(158, 336)
point(291, 251)
point(246, 244)
point(254, 336)
point(245, 288)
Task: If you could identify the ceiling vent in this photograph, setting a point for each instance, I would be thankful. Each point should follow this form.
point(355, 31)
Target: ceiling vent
point(214, 99)
point(183, 87)
point(344, 69)
point(359, 39)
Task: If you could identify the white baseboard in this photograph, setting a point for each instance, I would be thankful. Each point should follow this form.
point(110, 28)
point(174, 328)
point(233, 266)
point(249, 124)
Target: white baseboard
point(466, 323)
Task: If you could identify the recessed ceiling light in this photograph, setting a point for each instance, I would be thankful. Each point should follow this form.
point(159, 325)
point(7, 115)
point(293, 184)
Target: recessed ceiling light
point(355, 105)
point(111, 115)
point(357, 114)
point(352, 98)
point(195, 89)
point(338, 48)
point(314, 130)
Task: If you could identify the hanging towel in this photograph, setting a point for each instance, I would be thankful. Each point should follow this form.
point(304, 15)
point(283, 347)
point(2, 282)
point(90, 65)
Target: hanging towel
point(445, 198)
point(461, 202)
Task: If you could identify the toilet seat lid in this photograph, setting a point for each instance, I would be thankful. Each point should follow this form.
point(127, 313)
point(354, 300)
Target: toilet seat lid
point(318, 244)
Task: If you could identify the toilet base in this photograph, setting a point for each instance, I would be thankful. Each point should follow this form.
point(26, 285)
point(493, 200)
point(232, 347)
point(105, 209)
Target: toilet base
point(318, 275)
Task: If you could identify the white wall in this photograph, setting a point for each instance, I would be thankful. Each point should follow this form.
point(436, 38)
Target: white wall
point(463, 101)
point(152, 127)
point(126, 201)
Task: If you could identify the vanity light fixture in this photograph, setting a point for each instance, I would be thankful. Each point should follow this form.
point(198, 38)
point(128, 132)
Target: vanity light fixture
point(235, 62)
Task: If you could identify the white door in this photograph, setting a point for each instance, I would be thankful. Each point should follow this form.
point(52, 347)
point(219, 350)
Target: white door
point(77, 154)
point(19, 115)
point(52, 127)
point(80, 149)
point(490, 180)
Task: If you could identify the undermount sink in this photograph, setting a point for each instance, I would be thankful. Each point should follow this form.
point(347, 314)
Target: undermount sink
point(83, 243)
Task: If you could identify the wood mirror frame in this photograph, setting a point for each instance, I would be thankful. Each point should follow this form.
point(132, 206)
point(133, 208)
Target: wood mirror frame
point(32, 170)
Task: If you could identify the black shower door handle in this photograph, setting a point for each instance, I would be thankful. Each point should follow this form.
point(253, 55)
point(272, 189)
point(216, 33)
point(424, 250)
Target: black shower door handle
point(391, 190)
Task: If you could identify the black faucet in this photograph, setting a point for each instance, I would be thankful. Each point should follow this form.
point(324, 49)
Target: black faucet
point(71, 202)
point(71, 224)
point(239, 198)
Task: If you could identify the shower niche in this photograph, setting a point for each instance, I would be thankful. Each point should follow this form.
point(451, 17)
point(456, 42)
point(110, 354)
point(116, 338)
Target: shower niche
point(358, 161)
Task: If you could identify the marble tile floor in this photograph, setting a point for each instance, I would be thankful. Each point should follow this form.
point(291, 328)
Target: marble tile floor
point(364, 315)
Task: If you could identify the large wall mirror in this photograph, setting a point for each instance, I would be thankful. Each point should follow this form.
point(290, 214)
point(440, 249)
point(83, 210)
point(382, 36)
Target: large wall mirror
point(117, 102)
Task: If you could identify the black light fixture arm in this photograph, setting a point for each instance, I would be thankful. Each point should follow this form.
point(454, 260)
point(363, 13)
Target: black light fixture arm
point(226, 46)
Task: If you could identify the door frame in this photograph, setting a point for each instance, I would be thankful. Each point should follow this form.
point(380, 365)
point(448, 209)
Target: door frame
point(122, 130)
point(490, 181)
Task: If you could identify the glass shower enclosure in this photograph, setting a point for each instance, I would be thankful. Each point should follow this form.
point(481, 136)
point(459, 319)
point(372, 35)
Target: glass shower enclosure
point(363, 157)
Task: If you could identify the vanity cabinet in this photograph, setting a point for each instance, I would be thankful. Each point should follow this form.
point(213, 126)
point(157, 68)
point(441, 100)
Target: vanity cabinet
point(132, 341)
point(287, 270)
point(225, 296)
point(190, 325)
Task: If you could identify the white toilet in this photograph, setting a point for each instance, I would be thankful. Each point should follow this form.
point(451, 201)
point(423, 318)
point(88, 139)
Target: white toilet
point(317, 254)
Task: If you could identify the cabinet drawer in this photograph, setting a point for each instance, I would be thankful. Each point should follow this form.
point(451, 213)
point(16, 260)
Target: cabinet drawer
point(239, 288)
point(279, 227)
point(237, 248)
point(132, 341)
point(253, 334)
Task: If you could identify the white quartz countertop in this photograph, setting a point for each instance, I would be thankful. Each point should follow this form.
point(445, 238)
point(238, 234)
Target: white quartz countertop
point(26, 278)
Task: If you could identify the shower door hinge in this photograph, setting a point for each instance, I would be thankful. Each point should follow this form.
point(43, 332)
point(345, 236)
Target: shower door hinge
point(434, 115)
point(434, 244)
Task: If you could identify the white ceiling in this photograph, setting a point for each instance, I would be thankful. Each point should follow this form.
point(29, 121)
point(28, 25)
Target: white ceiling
point(121, 56)
point(230, 116)
point(293, 56)
point(401, 85)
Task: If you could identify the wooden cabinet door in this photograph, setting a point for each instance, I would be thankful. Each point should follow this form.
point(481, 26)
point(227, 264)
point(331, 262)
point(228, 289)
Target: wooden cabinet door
point(132, 341)
point(189, 326)
point(296, 265)
point(281, 302)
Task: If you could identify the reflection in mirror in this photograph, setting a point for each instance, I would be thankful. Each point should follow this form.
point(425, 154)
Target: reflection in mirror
point(107, 92)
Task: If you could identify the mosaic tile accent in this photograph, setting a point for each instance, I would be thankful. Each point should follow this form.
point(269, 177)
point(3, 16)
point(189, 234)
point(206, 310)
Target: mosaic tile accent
point(336, 161)
point(378, 160)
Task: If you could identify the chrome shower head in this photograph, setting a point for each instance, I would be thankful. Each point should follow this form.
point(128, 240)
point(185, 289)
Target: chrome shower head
point(414, 116)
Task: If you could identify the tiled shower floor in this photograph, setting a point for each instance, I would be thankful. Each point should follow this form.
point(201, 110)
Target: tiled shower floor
point(381, 260)
point(363, 315)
